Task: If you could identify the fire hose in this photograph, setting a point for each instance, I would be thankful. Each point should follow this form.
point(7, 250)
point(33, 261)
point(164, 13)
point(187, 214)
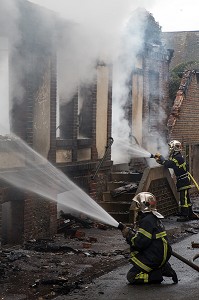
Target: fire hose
point(186, 261)
point(196, 185)
point(121, 226)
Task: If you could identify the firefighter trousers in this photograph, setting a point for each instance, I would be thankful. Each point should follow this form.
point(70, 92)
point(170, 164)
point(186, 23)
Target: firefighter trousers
point(185, 203)
point(135, 276)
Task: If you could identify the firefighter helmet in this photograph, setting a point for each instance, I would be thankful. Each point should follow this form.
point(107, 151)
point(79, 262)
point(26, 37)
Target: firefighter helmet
point(175, 146)
point(145, 202)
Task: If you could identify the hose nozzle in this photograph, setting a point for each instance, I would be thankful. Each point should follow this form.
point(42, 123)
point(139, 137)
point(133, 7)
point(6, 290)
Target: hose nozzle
point(121, 226)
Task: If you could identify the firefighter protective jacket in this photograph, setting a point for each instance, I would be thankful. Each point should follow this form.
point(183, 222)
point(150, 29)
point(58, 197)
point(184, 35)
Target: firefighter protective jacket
point(149, 246)
point(178, 164)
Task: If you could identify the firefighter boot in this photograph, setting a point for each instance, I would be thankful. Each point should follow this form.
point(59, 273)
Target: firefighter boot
point(193, 215)
point(183, 219)
point(167, 271)
point(184, 215)
point(155, 276)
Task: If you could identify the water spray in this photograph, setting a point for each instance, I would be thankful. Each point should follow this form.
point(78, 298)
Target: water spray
point(36, 174)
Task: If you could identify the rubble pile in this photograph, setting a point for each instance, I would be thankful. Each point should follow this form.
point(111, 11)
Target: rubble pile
point(44, 268)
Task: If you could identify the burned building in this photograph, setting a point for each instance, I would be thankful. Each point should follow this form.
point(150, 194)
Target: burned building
point(146, 109)
point(67, 121)
point(147, 105)
point(69, 133)
point(31, 88)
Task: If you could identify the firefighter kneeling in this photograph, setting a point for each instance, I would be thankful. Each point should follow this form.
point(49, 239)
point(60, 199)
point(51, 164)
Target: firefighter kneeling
point(149, 246)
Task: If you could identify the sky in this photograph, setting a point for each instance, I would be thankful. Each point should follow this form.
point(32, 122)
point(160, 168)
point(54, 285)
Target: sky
point(172, 15)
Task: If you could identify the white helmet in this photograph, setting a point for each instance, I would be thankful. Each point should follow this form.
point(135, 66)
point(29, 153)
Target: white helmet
point(175, 146)
point(145, 202)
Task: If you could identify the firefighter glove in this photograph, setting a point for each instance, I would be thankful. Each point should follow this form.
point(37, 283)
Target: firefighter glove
point(126, 231)
point(157, 157)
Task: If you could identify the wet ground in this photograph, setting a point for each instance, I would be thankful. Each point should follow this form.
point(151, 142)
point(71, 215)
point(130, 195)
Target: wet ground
point(43, 269)
point(114, 285)
point(47, 269)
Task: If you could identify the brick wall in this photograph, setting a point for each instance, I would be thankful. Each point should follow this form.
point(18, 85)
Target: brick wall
point(185, 127)
point(81, 171)
point(3, 198)
point(183, 122)
point(184, 44)
point(53, 98)
point(40, 217)
point(159, 182)
point(36, 54)
point(33, 64)
point(94, 154)
point(166, 203)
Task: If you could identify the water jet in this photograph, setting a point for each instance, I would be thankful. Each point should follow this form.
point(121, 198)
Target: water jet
point(34, 173)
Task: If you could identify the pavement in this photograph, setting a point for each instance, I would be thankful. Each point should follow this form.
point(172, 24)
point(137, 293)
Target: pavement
point(114, 285)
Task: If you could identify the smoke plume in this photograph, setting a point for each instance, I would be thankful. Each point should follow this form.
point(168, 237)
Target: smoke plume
point(93, 30)
point(8, 31)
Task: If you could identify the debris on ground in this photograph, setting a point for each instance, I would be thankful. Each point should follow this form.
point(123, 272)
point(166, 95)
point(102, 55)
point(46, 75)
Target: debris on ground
point(195, 257)
point(79, 253)
point(45, 268)
point(127, 188)
point(195, 245)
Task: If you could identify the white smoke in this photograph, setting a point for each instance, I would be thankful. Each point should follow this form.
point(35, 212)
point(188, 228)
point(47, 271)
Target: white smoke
point(131, 43)
point(9, 38)
point(8, 32)
point(94, 29)
point(93, 32)
point(100, 30)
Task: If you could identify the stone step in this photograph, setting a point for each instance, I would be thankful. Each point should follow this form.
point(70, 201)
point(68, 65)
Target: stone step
point(115, 206)
point(120, 198)
point(120, 167)
point(126, 176)
point(112, 185)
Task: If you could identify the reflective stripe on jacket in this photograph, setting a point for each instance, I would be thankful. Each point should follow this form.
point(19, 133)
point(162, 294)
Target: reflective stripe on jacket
point(178, 164)
point(149, 246)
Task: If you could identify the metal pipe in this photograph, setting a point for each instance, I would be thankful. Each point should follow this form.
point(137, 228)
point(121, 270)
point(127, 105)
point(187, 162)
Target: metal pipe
point(111, 140)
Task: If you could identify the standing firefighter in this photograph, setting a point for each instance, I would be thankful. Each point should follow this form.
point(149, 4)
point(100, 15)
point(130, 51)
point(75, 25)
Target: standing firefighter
point(149, 247)
point(177, 163)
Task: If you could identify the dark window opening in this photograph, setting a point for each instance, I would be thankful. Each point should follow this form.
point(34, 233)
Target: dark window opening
point(85, 111)
point(128, 105)
point(66, 116)
point(197, 78)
